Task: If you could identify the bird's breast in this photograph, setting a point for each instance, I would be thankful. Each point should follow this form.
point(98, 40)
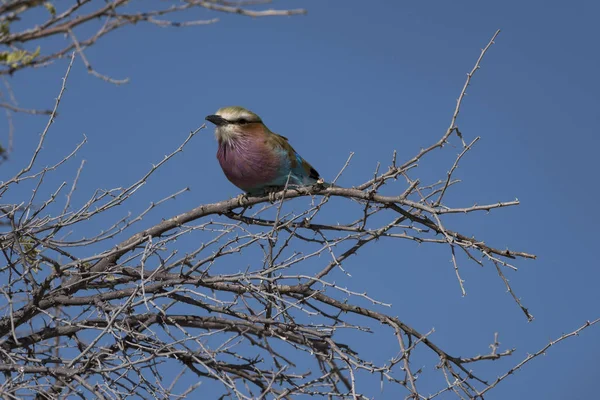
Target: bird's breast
point(249, 164)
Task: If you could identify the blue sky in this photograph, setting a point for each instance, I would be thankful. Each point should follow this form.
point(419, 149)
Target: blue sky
point(370, 77)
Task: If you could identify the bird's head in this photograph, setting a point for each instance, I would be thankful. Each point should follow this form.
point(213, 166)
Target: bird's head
point(233, 122)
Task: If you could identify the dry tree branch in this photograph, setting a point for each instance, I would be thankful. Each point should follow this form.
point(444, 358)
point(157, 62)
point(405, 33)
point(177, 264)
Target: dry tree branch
point(16, 178)
point(537, 354)
point(254, 300)
point(25, 46)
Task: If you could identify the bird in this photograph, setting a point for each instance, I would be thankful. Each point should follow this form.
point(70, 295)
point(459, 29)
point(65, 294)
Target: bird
point(254, 158)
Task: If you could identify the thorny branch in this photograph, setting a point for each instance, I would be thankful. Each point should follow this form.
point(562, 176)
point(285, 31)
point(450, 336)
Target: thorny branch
point(88, 313)
point(82, 23)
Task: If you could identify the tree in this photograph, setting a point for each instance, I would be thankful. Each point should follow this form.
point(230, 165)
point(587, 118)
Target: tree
point(24, 48)
point(159, 311)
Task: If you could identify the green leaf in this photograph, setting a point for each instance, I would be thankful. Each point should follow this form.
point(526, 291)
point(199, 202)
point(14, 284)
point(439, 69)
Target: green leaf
point(50, 7)
point(30, 56)
point(5, 28)
point(30, 251)
point(17, 57)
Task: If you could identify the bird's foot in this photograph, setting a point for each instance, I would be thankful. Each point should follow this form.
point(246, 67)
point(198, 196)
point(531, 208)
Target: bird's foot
point(272, 197)
point(241, 198)
point(271, 192)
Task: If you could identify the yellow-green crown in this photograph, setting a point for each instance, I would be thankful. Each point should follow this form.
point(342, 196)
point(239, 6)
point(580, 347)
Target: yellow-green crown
point(236, 113)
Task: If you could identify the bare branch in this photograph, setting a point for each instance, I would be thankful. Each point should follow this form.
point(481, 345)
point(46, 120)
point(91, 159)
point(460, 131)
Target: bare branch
point(255, 299)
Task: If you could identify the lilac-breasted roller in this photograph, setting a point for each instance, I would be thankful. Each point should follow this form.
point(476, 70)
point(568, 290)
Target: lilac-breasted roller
point(255, 159)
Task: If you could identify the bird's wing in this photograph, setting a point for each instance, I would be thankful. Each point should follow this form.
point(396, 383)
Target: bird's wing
point(299, 166)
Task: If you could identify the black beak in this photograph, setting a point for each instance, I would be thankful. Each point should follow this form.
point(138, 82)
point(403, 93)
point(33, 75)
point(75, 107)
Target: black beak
point(217, 120)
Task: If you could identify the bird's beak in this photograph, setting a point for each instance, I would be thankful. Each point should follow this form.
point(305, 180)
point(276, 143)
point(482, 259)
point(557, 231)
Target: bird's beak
point(216, 119)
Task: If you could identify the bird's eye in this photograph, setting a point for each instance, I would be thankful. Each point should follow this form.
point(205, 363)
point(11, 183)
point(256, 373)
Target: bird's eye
point(242, 121)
